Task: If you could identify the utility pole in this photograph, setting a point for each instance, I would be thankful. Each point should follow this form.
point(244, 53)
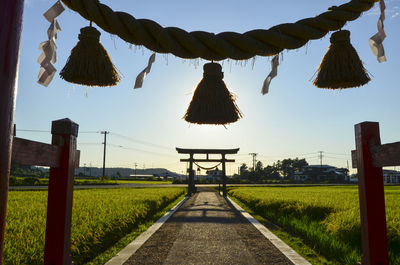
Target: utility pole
point(104, 154)
point(320, 157)
point(254, 155)
point(135, 168)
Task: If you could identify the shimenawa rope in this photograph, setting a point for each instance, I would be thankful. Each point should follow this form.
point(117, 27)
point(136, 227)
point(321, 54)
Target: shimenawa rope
point(210, 46)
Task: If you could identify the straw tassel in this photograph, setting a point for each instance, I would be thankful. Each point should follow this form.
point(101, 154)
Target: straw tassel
point(89, 63)
point(212, 103)
point(341, 66)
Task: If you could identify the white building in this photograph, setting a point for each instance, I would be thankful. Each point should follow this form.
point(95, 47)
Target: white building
point(391, 176)
point(213, 175)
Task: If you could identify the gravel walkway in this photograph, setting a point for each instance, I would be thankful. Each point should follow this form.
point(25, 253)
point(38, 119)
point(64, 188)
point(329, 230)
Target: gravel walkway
point(207, 230)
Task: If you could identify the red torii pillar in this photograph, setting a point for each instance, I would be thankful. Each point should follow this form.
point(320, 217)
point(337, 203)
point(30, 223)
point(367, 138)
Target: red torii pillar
point(10, 36)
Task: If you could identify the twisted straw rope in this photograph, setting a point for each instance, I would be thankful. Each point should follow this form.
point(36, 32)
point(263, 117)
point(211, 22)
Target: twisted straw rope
point(210, 46)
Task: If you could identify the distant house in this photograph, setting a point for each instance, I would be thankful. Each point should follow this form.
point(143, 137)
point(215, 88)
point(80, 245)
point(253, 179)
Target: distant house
point(353, 180)
point(391, 176)
point(321, 173)
point(140, 177)
point(180, 177)
point(213, 175)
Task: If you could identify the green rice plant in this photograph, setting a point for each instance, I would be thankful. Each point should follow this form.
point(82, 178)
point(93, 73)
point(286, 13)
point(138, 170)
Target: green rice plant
point(100, 218)
point(325, 218)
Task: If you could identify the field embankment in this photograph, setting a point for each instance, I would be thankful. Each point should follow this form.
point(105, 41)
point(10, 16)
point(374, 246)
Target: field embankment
point(326, 218)
point(100, 218)
point(35, 181)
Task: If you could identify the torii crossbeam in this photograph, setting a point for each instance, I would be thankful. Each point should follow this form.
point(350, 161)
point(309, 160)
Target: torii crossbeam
point(207, 152)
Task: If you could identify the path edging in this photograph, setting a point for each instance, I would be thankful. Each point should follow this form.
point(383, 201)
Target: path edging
point(292, 255)
point(132, 247)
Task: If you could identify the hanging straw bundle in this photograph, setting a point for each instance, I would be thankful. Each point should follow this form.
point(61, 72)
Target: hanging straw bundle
point(212, 103)
point(89, 63)
point(341, 66)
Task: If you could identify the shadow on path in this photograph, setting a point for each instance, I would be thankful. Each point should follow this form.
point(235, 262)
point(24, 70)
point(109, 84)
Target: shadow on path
point(207, 230)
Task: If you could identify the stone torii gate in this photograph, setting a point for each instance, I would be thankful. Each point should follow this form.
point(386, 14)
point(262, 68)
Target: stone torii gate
point(207, 152)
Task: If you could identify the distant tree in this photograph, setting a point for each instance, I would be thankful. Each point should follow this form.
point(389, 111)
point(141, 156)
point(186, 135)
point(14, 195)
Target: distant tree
point(299, 164)
point(244, 171)
point(281, 168)
point(259, 167)
point(243, 168)
point(287, 167)
point(271, 173)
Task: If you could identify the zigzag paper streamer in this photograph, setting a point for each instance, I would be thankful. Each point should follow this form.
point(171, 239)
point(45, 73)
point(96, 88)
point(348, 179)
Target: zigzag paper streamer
point(48, 56)
point(140, 78)
point(272, 74)
point(375, 42)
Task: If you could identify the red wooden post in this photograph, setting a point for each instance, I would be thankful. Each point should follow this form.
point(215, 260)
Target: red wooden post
point(59, 205)
point(10, 34)
point(372, 198)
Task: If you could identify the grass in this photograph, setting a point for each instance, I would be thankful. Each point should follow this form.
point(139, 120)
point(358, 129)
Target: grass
point(327, 219)
point(294, 242)
point(101, 218)
point(123, 242)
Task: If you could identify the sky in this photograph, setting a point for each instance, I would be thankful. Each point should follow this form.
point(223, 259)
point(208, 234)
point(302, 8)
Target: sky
point(295, 119)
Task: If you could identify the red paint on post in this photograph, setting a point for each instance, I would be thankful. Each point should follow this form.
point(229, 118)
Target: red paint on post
point(61, 185)
point(372, 198)
point(10, 35)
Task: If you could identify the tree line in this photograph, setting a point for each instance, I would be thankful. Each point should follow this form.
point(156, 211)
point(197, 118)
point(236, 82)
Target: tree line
point(282, 169)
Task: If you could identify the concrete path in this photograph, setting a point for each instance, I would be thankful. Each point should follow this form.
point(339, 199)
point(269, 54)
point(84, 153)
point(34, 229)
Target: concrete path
point(207, 230)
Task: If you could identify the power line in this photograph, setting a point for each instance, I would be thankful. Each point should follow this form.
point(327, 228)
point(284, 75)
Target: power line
point(140, 150)
point(47, 131)
point(290, 155)
point(141, 142)
point(340, 158)
point(29, 130)
point(338, 154)
point(130, 148)
point(90, 132)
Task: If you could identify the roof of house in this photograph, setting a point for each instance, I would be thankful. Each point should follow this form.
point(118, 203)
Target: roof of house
point(319, 166)
point(388, 171)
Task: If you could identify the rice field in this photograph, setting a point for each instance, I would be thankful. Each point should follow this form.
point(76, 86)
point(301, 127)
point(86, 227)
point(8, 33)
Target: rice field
point(100, 218)
point(326, 218)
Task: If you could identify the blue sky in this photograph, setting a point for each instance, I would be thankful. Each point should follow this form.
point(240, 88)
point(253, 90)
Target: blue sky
point(294, 118)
